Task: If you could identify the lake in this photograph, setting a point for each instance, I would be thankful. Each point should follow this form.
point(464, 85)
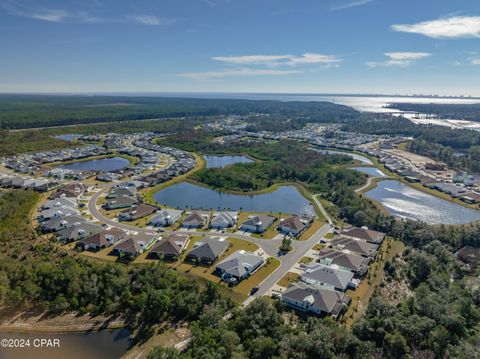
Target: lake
point(104, 164)
point(405, 202)
point(222, 161)
point(286, 199)
point(354, 156)
point(371, 171)
point(103, 344)
point(68, 137)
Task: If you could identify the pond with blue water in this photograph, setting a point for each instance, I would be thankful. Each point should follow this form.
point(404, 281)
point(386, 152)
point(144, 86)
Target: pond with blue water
point(103, 164)
point(285, 199)
point(403, 201)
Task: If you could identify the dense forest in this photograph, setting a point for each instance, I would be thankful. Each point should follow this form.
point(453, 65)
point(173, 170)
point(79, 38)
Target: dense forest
point(30, 111)
point(284, 161)
point(437, 317)
point(39, 276)
point(470, 112)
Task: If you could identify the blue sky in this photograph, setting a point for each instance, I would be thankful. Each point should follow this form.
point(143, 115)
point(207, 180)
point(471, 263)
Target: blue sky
point(342, 46)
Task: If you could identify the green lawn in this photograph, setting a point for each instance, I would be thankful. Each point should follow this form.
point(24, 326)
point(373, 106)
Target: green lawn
point(310, 231)
point(288, 278)
point(305, 260)
point(318, 247)
point(259, 276)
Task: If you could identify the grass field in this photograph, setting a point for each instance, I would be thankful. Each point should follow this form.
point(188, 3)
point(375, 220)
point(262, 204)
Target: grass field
point(329, 235)
point(305, 260)
point(318, 247)
point(314, 227)
point(288, 278)
point(259, 276)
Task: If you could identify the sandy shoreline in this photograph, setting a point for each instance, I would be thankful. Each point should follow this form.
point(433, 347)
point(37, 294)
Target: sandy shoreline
point(61, 324)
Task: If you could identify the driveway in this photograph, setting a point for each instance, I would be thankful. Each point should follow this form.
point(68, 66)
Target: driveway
point(268, 246)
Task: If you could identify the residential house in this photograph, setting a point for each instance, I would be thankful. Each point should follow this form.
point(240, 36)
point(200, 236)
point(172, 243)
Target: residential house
point(195, 219)
point(108, 177)
point(78, 231)
point(222, 220)
point(134, 245)
point(122, 192)
point(313, 299)
point(359, 246)
point(137, 212)
point(62, 193)
point(57, 223)
point(101, 240)
point(120, 202)
point(257, 224)
point(238, 266)
point(134, 184)
point(166, 217)
point(60, 203)
point(294, 225)
point(47, 214)
point(471, 197)
point(346, 260)
point(330, 277)
point(365, 234)
point(208, 250)
point(171, 247)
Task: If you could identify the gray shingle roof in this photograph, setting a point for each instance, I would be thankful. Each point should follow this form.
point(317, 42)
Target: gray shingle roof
point(239, 263)
point(328, 276)
point(210, 248)
point(366, 234)
point(351, 261)
point(328, 301)
point(359, 246)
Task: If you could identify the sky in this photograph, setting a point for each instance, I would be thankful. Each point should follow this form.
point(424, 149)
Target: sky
point(274, 46)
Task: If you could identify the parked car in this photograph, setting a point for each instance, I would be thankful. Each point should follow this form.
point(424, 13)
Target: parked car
point(254, 290)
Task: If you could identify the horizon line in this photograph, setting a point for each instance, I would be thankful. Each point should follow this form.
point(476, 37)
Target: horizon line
point(136, 93)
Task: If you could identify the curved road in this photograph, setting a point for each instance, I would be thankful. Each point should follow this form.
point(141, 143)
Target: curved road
point(269, 246)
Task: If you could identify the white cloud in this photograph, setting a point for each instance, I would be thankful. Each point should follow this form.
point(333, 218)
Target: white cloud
point(476, 61)
point(151, 20)
point(263, 65)
point(78, 15)
point(45, 14)
point(235, 72)
point(312, 58)
point(448, 28)
point(400, 59)
point(279, 60)
point(351, 4)
point(270, 60)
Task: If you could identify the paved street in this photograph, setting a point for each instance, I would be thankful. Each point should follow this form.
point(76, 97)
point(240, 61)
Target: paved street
point(288, 261)
point(269, 246)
